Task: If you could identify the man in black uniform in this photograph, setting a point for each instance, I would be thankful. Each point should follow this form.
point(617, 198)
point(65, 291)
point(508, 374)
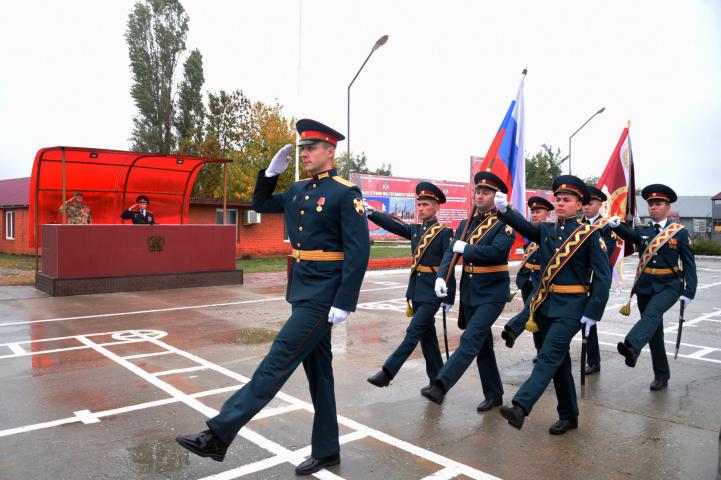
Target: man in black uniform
point(328, 232)
point(139, 213)
point(592, 216)
point(568, 298)
point(528, 275)
point(429, 240)
point(659, 283)
point(485, 289)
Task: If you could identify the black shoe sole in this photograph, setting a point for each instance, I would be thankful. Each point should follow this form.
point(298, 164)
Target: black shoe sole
point(215, 456)
point(493, 405)
point(377, 384)
point(432, 399)
point(627, 353)
point(508, 338)
point(561, 432)
point(311, 471)
point(595, 369)
point(656, 389)
point(512, 421)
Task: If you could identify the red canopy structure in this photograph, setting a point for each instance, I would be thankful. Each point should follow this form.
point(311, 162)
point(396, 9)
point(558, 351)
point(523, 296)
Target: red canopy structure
point(110, 181)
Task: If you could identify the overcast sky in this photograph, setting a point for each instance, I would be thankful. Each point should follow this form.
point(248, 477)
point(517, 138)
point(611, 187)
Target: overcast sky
point(426, 101)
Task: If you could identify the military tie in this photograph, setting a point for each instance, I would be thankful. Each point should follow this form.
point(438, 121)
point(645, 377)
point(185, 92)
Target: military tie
point(657, 228)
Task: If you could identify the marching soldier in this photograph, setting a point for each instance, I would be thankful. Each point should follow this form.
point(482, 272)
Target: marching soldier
point(592, 216)
point(485, 289)
point(528, 274)
point(328, 231)
point(429, 240)
point(139, 213)
point(659, 283)
point(568, 298)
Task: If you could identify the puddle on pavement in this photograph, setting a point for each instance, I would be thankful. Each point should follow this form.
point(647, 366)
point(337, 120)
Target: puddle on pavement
point(158, 456)
point(250, 336)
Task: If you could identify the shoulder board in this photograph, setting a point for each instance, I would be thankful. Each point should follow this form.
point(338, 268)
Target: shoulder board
point(343, 181)
point(509, 230)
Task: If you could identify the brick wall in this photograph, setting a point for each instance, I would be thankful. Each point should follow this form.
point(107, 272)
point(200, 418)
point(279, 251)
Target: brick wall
point(254, 241)
point(20, 244)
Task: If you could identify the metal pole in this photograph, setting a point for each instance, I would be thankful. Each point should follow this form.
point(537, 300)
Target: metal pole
point(65, 207)
point(569, 155)
point(578, 130)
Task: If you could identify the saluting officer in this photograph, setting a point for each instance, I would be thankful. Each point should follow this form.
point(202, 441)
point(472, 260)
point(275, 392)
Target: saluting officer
point(568, 298)
point(139, 213)
point(429, 240)
point(485, 289)
point(528, 275)
point(592, 216)
point(658, 283)
point(328, 232)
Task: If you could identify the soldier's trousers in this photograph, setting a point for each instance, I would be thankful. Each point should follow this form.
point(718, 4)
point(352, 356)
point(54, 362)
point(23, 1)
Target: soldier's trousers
point(649, 329)
point(306, 338)
point(421, 329)
point(593, 352)
point(554, 363)
point(476, 342)
point(517, 324)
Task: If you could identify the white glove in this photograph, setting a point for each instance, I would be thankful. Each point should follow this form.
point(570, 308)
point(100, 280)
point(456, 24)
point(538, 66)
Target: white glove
point(501, 201)
point(441, 288)
point(589, 323)
point(458, 246)
point(368, 208)
point(447, 307)
point(614, 221)
point(686, 301)
point(336, 316)
point(280, 161)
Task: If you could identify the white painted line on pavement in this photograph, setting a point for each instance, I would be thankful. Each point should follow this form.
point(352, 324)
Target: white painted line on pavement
point(86, 416)
point(179, 370)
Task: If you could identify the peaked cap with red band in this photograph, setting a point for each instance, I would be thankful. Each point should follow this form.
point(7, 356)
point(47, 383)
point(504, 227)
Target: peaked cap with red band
point(573, 185)
point(539, 202)
point(658, 191)
point(428, 190)
point(313, 132)
point(490, 180)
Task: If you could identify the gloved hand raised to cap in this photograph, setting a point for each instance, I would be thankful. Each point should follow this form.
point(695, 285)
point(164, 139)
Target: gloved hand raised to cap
point(501, 201)
point(280, 161)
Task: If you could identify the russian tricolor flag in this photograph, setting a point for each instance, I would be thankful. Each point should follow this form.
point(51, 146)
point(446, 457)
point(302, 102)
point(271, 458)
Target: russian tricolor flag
point(506, 157)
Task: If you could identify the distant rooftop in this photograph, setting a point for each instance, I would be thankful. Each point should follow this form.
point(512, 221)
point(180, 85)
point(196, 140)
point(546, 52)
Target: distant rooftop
point(14, 192)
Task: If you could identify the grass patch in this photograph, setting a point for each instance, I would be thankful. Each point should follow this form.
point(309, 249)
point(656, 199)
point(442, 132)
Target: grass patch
point(14, 278)
point(21, 262)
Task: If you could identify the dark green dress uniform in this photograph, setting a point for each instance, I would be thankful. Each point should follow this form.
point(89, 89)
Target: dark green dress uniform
point(420, 290)
point(660, 285)
point(527, 279)
point(139, 217)
point(326, 223)
point(559, 316)
point(485, 289)
point(593, 351)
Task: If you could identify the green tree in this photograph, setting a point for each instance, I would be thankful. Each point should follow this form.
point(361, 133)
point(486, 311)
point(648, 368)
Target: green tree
point(358, 164)
point(542, 167)
point(155, 34)
point(593, 180)
point(189, 117)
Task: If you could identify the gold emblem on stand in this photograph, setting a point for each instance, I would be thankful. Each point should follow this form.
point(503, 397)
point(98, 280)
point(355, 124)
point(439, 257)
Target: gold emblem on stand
point(155, 243)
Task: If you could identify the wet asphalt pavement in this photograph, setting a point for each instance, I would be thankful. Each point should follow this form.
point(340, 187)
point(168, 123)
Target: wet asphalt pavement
point(98, 386)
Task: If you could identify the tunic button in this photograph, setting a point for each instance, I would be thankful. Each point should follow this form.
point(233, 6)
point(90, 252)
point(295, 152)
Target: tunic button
point(314, 185)
point(560, 238)
point(302, 212)
point(557, 249)
point(300, 229)
point(298, 244)
point(654, 261)
point(306, 197)
point(470, 275)
point(419, 274)
point(562, 227)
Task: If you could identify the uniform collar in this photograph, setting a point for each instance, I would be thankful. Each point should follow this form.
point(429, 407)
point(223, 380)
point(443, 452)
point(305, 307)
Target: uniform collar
point(566, 221)
point(327, 174)
point(663, 223)
point(430, 222)
point(487, 214)
point(592, 220)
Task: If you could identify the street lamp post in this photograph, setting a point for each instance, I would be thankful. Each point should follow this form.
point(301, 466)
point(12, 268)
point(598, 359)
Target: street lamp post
point(379, 43)
point(574, 133)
